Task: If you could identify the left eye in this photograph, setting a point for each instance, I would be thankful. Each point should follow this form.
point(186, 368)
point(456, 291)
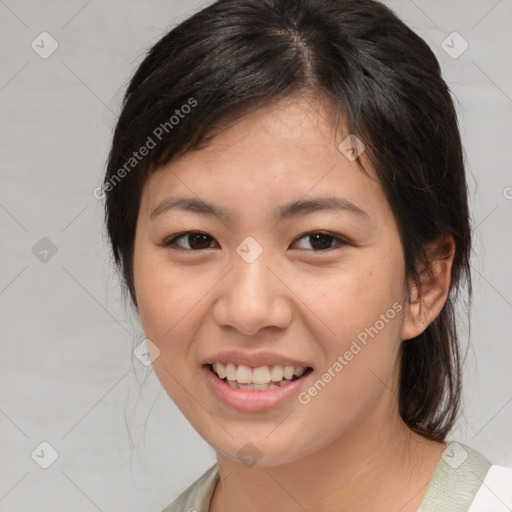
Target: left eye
point(322, 241)
point(197, 240)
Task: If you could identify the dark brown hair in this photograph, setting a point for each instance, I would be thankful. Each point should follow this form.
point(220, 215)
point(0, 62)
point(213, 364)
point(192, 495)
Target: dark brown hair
point(375, 75)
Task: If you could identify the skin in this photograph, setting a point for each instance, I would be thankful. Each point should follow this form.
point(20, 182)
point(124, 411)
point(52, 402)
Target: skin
point(347, 449)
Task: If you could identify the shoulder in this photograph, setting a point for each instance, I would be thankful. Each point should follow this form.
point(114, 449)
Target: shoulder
point(467, 481)
point(196, 498)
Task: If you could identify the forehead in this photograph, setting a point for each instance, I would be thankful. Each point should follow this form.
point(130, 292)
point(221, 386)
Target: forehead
point(273, 155)
point(298, 121)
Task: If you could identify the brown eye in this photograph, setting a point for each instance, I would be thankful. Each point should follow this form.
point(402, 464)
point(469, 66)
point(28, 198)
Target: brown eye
point(321, 241)
point(197, 241)
point(194, 240)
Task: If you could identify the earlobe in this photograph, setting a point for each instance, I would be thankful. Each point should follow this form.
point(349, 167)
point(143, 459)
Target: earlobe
point(429, 296)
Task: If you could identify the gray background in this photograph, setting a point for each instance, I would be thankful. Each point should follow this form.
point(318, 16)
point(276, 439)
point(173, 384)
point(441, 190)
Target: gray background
point(67, 375)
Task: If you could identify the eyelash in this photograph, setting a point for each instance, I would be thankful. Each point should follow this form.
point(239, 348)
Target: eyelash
point(170, 242)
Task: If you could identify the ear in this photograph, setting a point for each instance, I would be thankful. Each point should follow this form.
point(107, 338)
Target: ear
point(428, 298)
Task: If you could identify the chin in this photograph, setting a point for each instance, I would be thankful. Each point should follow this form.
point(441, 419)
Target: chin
point(261, 451)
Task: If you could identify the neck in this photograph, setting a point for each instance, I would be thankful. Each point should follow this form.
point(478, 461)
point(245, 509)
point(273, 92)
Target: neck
point(369, 468)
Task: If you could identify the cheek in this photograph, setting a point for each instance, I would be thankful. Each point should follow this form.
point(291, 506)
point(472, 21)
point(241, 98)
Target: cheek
point(166, 293)
point(169, 305)
point(351, 299)
point(362, 315)
point(165, 300)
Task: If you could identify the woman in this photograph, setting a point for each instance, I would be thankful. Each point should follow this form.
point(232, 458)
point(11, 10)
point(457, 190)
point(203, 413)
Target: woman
point(286, 201)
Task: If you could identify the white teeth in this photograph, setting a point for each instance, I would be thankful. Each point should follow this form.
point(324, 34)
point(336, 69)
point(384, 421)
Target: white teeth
point(263, 387)
point(288, 372)
point(276, 374)
point(256, 387)
point(261, 375)
point(259, 378)
point(230, 371)
point(298, 371)
point(219, 369)
point(244, 374)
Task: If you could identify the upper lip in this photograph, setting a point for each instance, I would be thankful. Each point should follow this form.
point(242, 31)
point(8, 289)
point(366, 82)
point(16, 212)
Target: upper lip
point(254, 359)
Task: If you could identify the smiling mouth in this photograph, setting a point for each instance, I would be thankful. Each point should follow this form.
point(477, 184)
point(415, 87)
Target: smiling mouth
point(262, 378)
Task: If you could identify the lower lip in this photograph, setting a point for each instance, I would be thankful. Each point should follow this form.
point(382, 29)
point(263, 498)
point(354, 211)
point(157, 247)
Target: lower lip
point(253, 401)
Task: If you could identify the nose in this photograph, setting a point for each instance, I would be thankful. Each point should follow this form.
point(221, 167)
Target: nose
point(253, 296)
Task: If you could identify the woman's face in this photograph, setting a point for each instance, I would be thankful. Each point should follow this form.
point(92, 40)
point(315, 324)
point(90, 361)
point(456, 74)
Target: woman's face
point(259, 287)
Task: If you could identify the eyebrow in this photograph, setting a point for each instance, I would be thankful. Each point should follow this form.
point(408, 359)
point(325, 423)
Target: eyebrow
point(289, 210)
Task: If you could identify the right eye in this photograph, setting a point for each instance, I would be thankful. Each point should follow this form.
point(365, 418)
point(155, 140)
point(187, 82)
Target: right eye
point(196, 241)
